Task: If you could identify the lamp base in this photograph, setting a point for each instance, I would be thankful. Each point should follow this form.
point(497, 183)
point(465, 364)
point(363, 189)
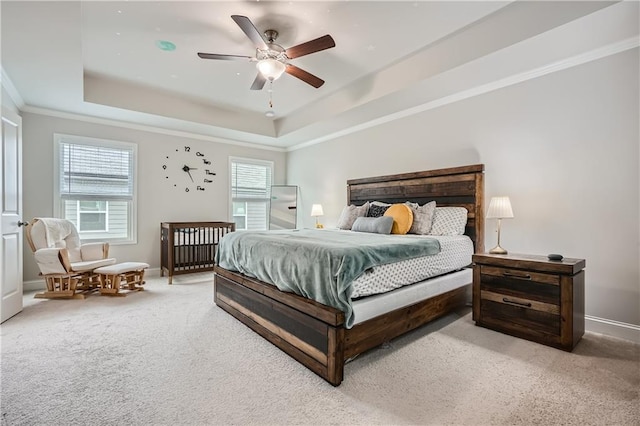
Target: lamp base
point(319, 225)
point(498, 250)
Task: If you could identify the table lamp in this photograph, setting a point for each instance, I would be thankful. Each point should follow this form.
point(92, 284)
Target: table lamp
point(316, 210)
point(499, 208)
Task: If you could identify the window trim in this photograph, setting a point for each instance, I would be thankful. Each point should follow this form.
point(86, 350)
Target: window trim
point(257, 162)
point(59, 138)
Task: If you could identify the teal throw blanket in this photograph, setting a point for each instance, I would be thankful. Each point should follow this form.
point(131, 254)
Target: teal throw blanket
point(317, 264)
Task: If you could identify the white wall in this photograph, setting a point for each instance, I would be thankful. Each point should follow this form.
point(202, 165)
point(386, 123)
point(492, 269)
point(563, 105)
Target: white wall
point(564, 147)
point(158, 200)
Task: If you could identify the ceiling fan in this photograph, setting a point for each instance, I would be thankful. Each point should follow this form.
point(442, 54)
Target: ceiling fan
point(272, 59)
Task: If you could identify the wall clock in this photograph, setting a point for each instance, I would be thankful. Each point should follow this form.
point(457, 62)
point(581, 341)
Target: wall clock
point(188, 169)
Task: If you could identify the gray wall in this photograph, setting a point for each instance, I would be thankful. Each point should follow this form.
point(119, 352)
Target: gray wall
point(563, 147)
point(158, 200)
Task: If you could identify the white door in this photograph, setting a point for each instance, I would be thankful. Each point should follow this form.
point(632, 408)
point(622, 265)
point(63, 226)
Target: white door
point(11, 216)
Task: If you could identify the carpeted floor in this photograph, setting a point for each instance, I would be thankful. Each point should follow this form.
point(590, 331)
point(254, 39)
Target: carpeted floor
point(169, 356)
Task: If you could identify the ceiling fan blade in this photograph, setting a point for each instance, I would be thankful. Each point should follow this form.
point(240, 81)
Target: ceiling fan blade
point(259, 82)
point(304, 76)
point(223, 57)
point(321, 43)
point(250, 30)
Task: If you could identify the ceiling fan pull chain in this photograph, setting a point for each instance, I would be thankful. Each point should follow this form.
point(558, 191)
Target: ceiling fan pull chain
point(271, 94)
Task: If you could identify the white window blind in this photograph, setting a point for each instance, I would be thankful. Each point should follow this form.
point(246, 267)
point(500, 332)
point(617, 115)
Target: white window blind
point(97, 171)
point(250, 192)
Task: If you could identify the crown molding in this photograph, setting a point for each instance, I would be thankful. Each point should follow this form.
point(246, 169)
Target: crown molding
point(145, 128)
point(573, 61)
point(11, 90)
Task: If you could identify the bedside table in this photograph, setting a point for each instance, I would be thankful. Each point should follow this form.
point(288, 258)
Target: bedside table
point(530, 297)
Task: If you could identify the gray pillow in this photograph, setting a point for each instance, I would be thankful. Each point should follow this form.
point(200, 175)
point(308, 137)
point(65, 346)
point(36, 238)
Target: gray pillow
point(350, 213)
point(422, 217)
point(374, 225)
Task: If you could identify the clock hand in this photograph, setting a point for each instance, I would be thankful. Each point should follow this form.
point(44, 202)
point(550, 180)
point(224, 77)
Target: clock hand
point(188, 170)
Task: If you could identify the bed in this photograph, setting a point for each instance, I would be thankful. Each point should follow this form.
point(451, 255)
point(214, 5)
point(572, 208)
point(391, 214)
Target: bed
point(315, 334)
point(188, 247)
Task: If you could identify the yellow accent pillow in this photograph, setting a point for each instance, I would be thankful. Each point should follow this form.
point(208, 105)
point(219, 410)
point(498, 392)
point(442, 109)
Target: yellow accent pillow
point(402, 218)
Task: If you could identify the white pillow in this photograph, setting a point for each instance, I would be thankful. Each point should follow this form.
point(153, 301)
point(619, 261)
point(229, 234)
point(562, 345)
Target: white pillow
point(350, 214)
point(449, 221)
point(422, 217)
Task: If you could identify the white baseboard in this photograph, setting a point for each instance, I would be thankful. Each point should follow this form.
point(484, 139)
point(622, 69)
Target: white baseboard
point(612, 328)
point(33, 285)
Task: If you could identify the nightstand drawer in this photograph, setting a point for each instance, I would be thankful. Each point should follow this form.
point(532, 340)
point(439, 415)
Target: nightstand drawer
point(519, 320)
point(516, 274)
point(516, 288)
point(520, 302)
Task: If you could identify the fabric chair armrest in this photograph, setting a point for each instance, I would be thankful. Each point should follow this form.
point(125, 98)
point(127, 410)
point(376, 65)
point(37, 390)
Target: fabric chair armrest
point(53, 260)
point(94, 251)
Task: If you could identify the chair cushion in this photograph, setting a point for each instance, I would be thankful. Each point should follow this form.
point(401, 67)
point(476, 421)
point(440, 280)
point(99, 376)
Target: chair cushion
point(58, 233)
point(91, 264)
point(121, 268)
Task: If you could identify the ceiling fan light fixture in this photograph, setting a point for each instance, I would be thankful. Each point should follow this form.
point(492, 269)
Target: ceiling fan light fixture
point(270, 68)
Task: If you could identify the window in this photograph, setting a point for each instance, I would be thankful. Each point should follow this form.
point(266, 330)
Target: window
point(92, 216)
point(95, 186)
point(250, 192)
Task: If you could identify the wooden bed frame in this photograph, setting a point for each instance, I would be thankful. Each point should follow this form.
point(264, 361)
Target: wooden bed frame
point(315, 334)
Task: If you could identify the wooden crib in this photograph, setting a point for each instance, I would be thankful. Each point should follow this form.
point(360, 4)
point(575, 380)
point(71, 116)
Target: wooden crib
point(188, 247)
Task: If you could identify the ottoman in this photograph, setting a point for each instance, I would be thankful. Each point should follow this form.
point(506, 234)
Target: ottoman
point(127, 276)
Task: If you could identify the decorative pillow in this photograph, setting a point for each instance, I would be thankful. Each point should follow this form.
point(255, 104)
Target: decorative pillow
point(412, 205)
point(402, 218)
point(375, 225)
point(377, 210)
point(422, 217)
point(350, 213)
point(449, 221)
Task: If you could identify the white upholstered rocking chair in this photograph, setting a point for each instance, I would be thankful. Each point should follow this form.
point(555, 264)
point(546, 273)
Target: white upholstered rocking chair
point(66, 264)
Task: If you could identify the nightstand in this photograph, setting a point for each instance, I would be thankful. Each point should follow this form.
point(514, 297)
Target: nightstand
point(530, 297)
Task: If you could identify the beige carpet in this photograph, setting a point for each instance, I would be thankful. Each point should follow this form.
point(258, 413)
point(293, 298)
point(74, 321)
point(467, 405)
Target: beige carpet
point(169, 356)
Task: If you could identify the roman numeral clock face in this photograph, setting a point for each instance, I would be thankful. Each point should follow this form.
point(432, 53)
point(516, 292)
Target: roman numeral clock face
point(188, 170)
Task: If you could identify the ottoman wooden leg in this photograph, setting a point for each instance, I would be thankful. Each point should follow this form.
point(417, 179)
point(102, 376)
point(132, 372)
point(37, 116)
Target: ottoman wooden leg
point(110, 285)
point(135, 280)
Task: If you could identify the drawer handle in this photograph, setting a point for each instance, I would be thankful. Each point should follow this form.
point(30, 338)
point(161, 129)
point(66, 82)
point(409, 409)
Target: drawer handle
point(509, 274)
point(513, 302)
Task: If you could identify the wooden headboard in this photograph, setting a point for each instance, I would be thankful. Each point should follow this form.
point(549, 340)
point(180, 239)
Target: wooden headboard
point(455, 186)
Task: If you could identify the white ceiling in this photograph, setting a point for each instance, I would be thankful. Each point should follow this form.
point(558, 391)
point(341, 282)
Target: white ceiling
point(100, 59)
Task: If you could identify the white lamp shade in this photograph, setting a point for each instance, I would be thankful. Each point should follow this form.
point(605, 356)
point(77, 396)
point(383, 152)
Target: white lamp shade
point(316, 210)
point(270, 68)
point(499, 208)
